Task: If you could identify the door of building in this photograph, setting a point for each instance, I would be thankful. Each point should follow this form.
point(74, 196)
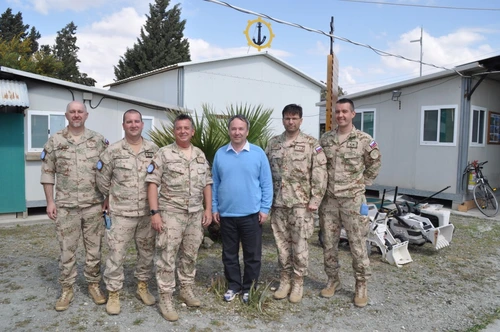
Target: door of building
point(12, 179)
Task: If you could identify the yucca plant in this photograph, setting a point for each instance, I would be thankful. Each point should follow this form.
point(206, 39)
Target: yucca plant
point(211, 131)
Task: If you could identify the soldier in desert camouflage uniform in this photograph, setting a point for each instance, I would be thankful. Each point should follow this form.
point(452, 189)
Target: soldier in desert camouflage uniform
point(122, 178)
point(183, 175)
point(353, 161)
point(69, 162)
point(298, 166)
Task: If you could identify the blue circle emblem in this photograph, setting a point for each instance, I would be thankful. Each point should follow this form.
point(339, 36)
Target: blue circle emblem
point(99, 165)
point(42, 156)
point(151, 168)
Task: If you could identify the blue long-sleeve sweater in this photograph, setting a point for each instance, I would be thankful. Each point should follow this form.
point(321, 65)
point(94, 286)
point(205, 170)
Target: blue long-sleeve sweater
point(242, 182)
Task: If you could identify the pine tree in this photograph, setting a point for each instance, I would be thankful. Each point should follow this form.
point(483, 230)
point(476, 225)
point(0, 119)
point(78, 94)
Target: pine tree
point(66, 51)
point(13, 27)
point(161, 42)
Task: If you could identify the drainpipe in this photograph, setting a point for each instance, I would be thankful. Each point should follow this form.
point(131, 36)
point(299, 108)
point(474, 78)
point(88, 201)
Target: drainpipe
point(463, 138)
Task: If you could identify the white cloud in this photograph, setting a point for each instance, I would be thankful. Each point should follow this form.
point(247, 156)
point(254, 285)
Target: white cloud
point(202, 50)
point(45, 6)
point(102, 43)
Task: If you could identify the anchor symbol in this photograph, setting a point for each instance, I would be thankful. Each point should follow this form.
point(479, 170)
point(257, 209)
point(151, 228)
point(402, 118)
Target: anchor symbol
point(259, 41)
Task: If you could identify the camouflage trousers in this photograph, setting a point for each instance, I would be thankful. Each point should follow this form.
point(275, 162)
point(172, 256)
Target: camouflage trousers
point(124, 229)
point(182, 234)
point(335, 213)
point(291, 228)
point(70, 224)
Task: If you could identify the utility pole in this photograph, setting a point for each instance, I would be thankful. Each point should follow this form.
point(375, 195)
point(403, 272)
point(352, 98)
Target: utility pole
point(421, 49)
point(332, 82)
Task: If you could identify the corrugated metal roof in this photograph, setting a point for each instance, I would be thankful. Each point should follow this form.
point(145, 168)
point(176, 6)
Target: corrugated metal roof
point(13, 93)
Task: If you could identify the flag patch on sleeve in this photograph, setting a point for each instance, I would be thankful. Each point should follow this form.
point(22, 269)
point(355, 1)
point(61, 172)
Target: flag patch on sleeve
point(373, 144)
point(318, 149)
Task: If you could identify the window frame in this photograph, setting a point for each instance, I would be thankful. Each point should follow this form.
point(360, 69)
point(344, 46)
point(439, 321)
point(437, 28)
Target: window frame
point(485, 125)
point(438, 108)
point(44, 113)
point(366, 110)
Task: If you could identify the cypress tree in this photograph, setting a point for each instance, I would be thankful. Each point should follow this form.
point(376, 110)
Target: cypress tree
point(161, 42)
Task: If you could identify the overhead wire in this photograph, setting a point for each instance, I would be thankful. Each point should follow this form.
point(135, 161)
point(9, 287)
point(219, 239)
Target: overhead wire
point(377, 51)
point(423, 6)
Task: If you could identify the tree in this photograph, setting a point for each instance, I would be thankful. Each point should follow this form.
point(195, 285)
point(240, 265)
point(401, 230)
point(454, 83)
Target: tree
point(17, 54)
point(12, 26)
point(66, 50)
point(161, 42)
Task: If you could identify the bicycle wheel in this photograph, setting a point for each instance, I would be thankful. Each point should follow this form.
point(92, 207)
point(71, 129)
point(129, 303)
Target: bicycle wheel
point(485, 200)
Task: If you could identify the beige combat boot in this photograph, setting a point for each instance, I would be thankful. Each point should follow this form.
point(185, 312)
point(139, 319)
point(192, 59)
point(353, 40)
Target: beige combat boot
point(187, 296)
point(332, 285)
point(361, 294)
point(65, 299)
point(167, 308)
point(143, 293)
point(113, 305)
point(284, 288)
point(96, 293)
point(297, 289)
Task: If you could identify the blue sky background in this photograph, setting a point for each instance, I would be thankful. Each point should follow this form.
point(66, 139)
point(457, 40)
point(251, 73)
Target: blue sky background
point(451, 36)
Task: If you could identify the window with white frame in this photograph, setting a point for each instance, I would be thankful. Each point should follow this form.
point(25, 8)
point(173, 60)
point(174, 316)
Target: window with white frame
point(365, 121)
point(477, 125)
point(41, 126)
point(149, 122)
point(438, 125)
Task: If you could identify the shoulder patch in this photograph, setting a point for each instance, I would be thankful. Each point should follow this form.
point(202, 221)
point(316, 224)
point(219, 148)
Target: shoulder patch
point(99, 165)
point(106, 142)
point(373, 144)
point(151, 168)
point(318, 149)
point(374, 154)
point(43, 154)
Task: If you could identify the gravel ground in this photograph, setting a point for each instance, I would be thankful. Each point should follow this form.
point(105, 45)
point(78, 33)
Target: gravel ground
point(454, 289)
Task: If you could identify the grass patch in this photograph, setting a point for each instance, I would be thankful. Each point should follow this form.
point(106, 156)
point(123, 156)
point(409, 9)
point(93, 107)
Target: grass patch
point(23, 323)
point(138, 321)
point(485, 321)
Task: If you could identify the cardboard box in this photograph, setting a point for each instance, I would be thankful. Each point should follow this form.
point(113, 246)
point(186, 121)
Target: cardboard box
point(466, 206)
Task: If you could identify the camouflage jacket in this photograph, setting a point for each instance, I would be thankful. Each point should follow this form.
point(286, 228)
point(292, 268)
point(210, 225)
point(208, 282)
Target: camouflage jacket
point(351, 164)
point(122, 177)
point(71, 166)
point(181, 181)
point(298, 169)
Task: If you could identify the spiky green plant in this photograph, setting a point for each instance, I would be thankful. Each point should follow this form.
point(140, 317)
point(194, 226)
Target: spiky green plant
point(211, 130)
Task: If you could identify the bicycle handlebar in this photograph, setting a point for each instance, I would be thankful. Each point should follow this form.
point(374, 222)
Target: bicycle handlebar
point(471, 166)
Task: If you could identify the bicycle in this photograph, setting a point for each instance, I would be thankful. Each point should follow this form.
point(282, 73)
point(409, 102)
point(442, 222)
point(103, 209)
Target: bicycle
point(483, 193)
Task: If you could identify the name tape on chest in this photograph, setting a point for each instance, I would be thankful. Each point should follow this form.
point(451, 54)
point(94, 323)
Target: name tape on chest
point(149, 154)
point(300, 148)
point(352, 145)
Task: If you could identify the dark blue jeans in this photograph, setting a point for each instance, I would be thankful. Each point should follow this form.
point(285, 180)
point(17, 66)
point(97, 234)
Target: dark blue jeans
point(247, 230)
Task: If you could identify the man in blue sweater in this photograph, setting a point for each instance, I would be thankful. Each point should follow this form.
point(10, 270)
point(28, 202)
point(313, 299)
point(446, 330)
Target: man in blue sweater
point(242, 194)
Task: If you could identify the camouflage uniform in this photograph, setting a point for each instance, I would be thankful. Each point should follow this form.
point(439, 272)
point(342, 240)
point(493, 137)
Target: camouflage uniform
point(123, 179)
point(71, 166)
point(181, 182)
point(351, 165)
point(299, 178)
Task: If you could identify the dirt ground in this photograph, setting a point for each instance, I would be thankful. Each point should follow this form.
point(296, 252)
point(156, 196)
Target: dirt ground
point(454, 289)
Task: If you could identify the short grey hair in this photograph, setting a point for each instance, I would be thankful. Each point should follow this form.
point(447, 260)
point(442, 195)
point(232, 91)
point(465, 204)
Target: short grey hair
point(239, 117)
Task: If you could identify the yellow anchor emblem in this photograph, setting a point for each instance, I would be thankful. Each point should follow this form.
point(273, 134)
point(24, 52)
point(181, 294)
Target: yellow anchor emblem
point(259, 43)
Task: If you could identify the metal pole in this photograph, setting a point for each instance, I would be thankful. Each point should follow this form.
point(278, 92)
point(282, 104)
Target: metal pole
point(421, 47)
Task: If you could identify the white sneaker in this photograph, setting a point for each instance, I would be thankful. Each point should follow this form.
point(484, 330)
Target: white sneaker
point(230, 295)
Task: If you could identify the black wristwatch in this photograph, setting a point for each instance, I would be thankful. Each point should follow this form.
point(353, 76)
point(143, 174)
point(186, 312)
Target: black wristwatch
point(153, 212)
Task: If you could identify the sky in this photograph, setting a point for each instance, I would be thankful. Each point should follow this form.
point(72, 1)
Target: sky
point(451, 37)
